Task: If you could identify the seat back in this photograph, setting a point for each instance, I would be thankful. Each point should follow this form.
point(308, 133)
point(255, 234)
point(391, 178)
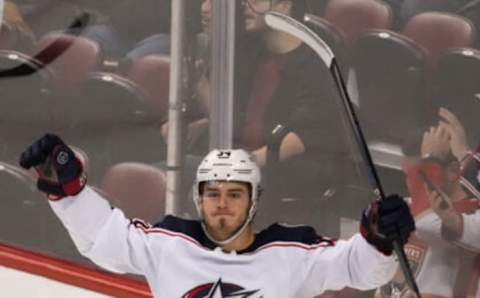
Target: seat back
point(111, 120)
point(152, 74)
point(70, 57)
point(390, 78)
point(455, 85)
point(439, 31)
point(353, 17)
point(138, 189)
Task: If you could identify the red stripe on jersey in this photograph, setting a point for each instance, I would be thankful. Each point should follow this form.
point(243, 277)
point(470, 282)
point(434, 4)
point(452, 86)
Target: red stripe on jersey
point(171, 234)
point(323, 243)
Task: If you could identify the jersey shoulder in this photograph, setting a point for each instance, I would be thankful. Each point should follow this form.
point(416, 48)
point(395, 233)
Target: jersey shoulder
point(187, 227)
point(176, 224)
point(288, 233)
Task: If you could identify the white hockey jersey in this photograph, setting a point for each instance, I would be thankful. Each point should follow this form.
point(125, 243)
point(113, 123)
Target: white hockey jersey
point(179, 261)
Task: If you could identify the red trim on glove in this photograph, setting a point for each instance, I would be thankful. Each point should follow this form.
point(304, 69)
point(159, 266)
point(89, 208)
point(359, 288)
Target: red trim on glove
point(76, 186)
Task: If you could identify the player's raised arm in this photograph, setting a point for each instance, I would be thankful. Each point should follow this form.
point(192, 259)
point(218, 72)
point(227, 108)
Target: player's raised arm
point(365, 261)
point(100, 232)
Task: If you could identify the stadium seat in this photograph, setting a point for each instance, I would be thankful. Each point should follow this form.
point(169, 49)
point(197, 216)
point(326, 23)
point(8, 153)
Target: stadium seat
point(389, 71)
point(71, 58)
point(138, 189)
point(438, 31)
point(109, 100)
point(112, 121)
point(152, 75)
point(455, 85)
point(353, 17)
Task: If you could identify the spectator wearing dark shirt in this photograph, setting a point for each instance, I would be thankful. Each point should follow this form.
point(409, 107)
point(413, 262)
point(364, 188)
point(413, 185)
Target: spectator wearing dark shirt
point(286, 85)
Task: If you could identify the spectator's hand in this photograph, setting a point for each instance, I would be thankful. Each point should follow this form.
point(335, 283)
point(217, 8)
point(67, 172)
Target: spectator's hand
point(441, 204)
point(436, 142)
point(60, 172)
point(386, 221)
point(458, 136)
point(452, 223)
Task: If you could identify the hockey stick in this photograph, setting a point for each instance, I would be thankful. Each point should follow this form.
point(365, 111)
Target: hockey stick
point(291, 26)
point(25, 69)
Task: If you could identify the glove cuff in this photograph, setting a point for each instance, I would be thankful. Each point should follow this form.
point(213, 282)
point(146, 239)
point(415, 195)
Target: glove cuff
point(57, 191)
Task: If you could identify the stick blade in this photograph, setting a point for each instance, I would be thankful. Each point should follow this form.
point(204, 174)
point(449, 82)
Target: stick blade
point(291, 26)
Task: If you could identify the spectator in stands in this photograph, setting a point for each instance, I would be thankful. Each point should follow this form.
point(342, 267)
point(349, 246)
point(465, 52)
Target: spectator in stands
point(460, 228)
point(247, 53)
point(292, 90)
point(45, 16)
point(134, 29)
point(290, 104)
point(438, 265)
point(14, 23)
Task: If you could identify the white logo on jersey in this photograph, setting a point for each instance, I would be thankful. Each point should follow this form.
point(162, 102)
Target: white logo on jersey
point(221, 290)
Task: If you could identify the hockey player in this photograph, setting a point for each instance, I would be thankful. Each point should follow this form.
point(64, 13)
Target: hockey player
point(218, 255)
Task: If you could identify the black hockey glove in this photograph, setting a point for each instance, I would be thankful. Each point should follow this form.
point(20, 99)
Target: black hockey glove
point(385, 221)
point(60, 172)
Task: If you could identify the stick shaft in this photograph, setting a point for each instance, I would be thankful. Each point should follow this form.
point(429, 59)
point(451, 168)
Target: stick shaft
point(373, 174)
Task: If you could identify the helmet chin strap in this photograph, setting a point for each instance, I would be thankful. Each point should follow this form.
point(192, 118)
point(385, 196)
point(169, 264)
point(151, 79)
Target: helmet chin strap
point(237, 233)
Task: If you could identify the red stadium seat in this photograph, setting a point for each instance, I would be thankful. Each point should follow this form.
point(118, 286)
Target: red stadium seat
point(138, 189)
point(353, 17)
point(71, 59)
point(152, 75)
point(438, 31)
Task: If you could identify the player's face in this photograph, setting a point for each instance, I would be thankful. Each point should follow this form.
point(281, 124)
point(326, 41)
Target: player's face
point(225, 207)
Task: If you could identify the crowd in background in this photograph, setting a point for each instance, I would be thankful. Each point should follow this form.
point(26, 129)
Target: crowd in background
point(286, 110)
